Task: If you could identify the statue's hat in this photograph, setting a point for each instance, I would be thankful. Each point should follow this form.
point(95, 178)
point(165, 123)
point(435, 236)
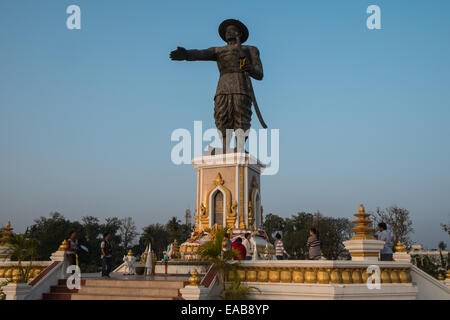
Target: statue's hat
point(232, 22)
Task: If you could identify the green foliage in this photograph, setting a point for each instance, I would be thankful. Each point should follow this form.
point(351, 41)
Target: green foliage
point(236, 290)
point(426, 263)
point(50, 232)
point(157, 235)
point(222, 260)
point(273, 223)
point(332, 232)
point(23, 249)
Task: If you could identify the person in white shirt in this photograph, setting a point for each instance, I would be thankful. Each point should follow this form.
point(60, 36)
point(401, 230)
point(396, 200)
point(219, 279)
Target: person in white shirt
point(384, 235)
point(248, 246)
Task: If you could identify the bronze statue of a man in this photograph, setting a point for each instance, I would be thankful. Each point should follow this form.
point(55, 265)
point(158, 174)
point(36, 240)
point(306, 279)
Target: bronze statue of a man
point(236, 63)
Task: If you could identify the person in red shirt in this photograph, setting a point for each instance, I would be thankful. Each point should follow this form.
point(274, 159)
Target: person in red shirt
point(239, 247)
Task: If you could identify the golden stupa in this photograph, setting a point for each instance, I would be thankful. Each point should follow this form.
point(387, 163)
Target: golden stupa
point(363, 231)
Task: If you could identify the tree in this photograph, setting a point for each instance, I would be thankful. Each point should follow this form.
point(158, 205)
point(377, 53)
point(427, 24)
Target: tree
point(22, 249)
point(446, 228)
point(157, 235)
point(127, 231)
point(442, 246)
point(398, 221)
point(177, 231)
point(332, 233)
point(50, 233)
point(273, 223)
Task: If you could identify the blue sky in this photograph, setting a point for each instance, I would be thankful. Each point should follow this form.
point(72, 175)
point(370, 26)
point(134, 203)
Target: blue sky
point(86, 116)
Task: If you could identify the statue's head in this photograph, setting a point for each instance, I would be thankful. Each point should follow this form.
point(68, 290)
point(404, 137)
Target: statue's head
point(231, 29)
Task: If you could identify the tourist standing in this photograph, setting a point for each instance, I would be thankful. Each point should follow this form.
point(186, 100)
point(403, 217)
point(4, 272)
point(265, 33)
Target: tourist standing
point(106, 256)
point(313, 245)
point(227, 244)
point(279, 248)
point(72, 247)
point(248, 246)
point(239, 247)
point(384, 235)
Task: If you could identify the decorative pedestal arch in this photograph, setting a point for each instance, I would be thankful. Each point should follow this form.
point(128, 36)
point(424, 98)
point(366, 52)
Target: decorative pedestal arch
point(237, 177)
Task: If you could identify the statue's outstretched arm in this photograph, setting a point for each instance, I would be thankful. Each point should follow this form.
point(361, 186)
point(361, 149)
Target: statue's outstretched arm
point(193, 55)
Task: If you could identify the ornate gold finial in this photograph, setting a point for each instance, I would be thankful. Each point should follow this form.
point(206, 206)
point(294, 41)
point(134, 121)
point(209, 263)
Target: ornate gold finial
point(219, 181)
point(194, 280)
point(130, 253)
point(361, 209)
point(400, 247)
point(440, 277)
point(176, 249)
point(6, 233)
point(63, 245)
point(362, 229)
point(447, 276)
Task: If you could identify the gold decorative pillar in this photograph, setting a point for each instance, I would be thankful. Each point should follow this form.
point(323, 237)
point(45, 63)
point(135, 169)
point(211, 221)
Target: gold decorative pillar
point(363, 246)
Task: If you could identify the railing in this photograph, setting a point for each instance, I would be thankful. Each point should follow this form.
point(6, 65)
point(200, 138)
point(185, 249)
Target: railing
point(10, 270)
point(321, 271)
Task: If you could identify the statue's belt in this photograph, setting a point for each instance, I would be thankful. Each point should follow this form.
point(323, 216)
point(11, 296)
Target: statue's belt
point(231, 71)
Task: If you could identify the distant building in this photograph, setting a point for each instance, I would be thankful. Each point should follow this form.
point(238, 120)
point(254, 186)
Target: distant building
point(417, 249)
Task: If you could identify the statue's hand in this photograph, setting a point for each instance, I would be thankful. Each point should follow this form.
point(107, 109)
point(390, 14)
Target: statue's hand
point(179, 54)
point(248, 68)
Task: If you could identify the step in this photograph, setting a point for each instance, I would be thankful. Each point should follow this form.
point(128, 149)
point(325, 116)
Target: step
point(57, 296)
point(132, 291)
point(63, 282)
point(119, 297)
point(62, 289)
point(111, 283)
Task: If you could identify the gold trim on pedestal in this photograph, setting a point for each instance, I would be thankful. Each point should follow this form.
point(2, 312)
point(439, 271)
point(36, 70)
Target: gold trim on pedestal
point(241, 198)
point(251, 203)
point(204, 215)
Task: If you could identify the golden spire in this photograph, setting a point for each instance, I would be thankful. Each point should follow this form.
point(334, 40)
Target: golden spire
point(63, 245)
point(6, 233)
point(362, 229)
point(400, 247)
point(219, 181)
point(194, 280)
point(130, 253)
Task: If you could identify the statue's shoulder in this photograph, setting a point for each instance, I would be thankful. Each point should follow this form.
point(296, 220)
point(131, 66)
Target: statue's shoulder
point(252, 49)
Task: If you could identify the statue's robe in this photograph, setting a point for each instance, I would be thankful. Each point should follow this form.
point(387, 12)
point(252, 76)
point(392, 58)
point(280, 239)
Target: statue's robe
point(232, 101)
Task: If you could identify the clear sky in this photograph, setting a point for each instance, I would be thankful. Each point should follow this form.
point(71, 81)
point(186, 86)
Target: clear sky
point(86, 115)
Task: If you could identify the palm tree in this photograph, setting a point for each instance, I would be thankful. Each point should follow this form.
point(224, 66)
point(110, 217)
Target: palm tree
point(212, 251)
point(23, 249)
point(223, 262)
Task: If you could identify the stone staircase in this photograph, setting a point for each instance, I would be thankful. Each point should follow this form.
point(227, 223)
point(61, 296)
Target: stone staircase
point(118, 289)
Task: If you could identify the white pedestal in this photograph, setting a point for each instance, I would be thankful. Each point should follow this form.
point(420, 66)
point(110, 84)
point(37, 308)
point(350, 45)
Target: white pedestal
point(4, 254)
point(364, 250)
point(16, 291)
point(402, 257)
point(194, 293)
point(57, 256)
point(447, 282)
